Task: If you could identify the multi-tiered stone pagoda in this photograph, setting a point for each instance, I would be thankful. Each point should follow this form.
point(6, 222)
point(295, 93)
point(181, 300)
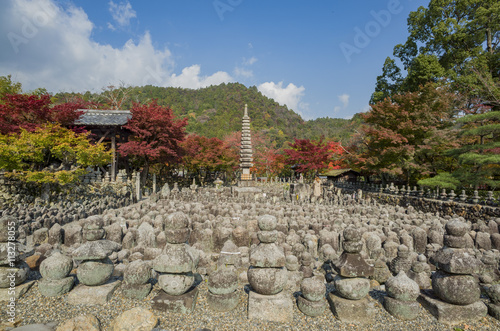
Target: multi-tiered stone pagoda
point(245, 187)
point(246, 156)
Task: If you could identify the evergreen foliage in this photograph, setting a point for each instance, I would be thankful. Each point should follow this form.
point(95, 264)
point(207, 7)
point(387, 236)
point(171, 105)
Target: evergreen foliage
point(443, 180)
point(479, 156)
point(448, 40)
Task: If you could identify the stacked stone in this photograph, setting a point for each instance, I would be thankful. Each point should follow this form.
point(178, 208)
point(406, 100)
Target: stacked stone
point(136, 280)
point(223, 282)
point(10, 264)
point(312, 299)
point(55, 270)
point(307, 264)
point(402, 262)
point(420, 272)
point(350, 303)
point(490, 273)
point(294, 276)
point(381, 272)
point(455, 297)
point(327, 254)
point(401, 301)
point(95, 267)
point(267, 276)
point(494, 306)
point(246, 157)
point(175, 266)
point(373, 244)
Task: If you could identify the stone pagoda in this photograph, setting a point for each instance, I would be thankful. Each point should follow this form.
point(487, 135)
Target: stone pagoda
point(246, 156)
point(175, 267)
point(350, 302)
point(267, 276)
point(245, 187)
point(455, 296)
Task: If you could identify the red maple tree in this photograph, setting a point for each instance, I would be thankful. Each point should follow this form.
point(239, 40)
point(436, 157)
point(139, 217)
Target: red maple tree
point(337, 155)
point(405, 137)
point(232, 143)
point(156, 136)
point(269, 161)
point(207, 155)
point(67, 113)
point(308, 156)
point(22, 111)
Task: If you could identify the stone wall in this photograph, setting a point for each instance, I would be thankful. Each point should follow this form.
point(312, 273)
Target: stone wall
point(469, 211)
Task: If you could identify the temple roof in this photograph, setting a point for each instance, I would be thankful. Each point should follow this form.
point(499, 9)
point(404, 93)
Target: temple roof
point(99, 117)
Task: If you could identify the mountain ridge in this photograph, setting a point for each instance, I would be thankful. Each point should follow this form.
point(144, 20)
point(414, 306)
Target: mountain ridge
point(216, 111)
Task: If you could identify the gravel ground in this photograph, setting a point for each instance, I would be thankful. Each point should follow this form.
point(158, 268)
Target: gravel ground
point(33, 308)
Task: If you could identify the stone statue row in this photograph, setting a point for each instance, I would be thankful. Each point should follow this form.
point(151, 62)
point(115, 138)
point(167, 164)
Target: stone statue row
point(454, 296)
point(443, 195)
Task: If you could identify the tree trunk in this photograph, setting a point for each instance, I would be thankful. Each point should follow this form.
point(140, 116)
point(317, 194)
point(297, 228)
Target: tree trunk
point(144, 174)
point(489, 42)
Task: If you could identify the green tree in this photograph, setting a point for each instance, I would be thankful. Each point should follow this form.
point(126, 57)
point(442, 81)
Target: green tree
point(479, 157)
point(33, 154)
point(389, 83)
point(447, 40)
point(442, 180)
point(7, 86)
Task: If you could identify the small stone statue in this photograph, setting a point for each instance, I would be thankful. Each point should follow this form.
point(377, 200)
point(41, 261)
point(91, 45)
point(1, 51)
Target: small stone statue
point(55, 270)
point(312, 299)
point(401, 301)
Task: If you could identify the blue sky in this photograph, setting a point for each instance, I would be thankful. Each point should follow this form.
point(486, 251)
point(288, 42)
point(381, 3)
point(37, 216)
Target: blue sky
point(320, 58)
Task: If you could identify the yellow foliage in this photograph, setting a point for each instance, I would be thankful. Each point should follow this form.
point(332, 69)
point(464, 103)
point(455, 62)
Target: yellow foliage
point(31, 152)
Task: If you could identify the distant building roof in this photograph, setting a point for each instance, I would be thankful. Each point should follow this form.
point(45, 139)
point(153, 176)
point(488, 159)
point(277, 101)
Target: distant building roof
point(338, 172)
point(103, 117)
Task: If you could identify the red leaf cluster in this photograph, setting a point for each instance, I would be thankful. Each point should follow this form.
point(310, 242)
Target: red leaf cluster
point(156, 134)
point(309, 156)
point(405, 135)
point(208, 154)
point(67, 113)
point(21, 111)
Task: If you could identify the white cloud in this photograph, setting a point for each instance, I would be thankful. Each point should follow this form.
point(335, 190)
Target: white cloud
point(122, 13)
point(336, 109)
point(242, 72)
point(57, 53)
point(190, 78)
point(344, 98)
point(290, 95)
point(250, 61)
point(111, 27)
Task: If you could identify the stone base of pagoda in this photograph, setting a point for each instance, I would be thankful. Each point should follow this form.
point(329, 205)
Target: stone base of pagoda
point(245, 189)
point(246, 177)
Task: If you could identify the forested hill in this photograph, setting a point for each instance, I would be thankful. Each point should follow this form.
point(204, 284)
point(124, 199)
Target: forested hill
point(216, 111)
